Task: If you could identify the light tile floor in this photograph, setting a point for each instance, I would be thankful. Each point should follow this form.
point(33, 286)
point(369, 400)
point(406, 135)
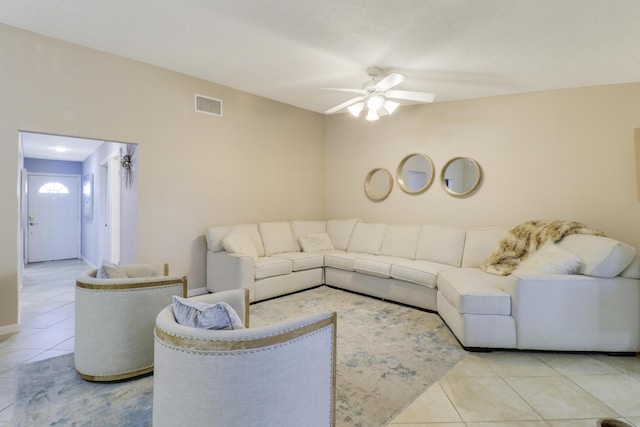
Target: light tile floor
point(497, 389)
point(530, 389)
point(47, 324)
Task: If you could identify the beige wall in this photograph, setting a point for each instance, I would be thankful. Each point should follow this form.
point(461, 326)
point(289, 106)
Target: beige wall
point(261, 161)
point(566, 154)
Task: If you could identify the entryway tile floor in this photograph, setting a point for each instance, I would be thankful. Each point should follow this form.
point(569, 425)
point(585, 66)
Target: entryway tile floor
point(46, 324)
point(496, 389)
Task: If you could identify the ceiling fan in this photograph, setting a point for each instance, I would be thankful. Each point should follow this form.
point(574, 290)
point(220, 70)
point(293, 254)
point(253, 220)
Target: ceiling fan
point(377, 96)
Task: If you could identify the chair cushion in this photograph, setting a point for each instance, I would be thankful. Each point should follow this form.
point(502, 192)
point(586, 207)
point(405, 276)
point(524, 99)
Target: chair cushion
point(198, 314)
point(441, 244)
point(601, 256)
point(367, 238)
point(400, 241)
point(272, 266)
point(472, 291)
point(340, 231)
point(302, 260)
point(277, 237)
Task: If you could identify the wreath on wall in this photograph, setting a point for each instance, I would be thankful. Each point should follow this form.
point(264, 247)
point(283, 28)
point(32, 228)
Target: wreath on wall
point(126, 161)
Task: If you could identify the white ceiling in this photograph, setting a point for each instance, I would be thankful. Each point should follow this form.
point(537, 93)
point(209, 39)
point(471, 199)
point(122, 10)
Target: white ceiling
point(55, 147)
point(286, 50)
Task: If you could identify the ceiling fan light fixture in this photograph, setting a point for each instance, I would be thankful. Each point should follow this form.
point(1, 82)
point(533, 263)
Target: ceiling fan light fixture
point(372, 116)
point(391, 106)
point(375, 102)
point(356, 109)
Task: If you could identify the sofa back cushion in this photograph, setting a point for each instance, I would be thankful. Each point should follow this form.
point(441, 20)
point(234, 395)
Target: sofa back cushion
point(601, 256)
point(215, 235)
point(441, 244)
point(303, 228)
point(340, 231)
point(480, 243)
point(367, 238)
point(277, 238)
point(400, 241)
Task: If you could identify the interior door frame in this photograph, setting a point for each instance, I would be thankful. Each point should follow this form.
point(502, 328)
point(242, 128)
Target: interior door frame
point(112, 210)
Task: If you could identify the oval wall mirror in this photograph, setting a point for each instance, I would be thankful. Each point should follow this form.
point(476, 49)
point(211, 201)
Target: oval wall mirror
point(415, 173)
point(461, 176)
point(378, 184)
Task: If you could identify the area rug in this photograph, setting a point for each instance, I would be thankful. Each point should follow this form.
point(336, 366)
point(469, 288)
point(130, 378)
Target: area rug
point(388, 354)
point(50, 393)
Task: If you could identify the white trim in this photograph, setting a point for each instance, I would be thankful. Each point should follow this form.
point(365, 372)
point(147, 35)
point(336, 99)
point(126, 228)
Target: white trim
point(10, 329)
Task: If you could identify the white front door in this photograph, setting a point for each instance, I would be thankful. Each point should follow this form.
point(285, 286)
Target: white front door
point(53, 218)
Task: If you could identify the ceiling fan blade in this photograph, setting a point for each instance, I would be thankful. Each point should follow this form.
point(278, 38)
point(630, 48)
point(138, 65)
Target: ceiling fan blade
point(346, 89)
point(410, 96)
point(344, 104)
point(390, 81)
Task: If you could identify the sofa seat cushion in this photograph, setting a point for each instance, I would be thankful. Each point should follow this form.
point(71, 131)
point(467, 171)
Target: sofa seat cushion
point(340, 260)
point(272, 266)
point(303, 260)
point(379, 266)
point(420, 272)
point(472, 291)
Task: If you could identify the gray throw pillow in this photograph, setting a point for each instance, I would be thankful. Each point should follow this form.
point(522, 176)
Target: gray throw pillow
point(109, 270)
point(198, 314)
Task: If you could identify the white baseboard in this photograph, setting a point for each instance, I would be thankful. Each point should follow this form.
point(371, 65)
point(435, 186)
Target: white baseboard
point(88, 262)
point(197, 291)
point(10, 329)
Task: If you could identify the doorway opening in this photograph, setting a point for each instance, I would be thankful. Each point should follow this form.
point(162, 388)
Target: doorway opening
point(73, 203)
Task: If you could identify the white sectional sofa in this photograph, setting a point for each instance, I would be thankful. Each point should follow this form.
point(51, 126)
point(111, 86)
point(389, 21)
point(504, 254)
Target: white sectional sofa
point(437, 268)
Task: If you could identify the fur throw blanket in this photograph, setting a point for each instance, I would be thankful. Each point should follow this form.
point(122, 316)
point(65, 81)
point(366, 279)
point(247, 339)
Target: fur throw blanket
point(524, 239)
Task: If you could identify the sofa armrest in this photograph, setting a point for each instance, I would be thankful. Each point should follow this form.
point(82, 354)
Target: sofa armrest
point(230, 271)
point(576, 312)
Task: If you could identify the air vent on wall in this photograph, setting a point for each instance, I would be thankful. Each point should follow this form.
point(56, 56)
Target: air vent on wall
point(204, 104)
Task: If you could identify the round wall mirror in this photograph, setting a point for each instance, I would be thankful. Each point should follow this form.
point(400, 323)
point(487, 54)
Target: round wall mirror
point(378, 184)
point(461, 176)
point(415, 173)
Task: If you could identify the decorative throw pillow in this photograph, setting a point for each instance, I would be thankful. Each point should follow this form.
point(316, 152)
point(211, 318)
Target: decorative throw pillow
point(109, 270)
point(550, 259)
point(238, 242)
point(198, 314)
point(317, 242)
